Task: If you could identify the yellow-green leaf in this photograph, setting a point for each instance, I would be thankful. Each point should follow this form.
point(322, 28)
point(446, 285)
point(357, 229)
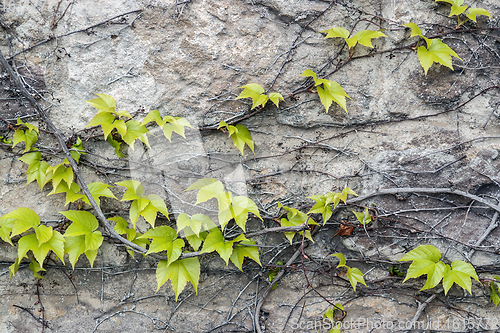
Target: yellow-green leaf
point(364, 218)
point(174, 124)
point(341, 257)
point(242, 251)
point(427, 252)
point(415, 30)
point(354, 275)
point(436, 51)
point(460, 273)
point(211, 188)
point(179, 273)
point(456, 6)
point(276, 98)
point(25, 219)
point(336, 32)
point(184, 221)
point(35, 268)
point(98, 189)
point(103, 103)
point(364, 37)
point(135, 130)
point(494, 293)
point(473, 12)
point(255, 92)
point(215, 242)
point(134, 189)
point(6, 225)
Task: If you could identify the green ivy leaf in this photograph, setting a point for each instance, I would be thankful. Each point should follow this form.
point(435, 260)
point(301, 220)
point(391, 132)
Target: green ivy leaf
point(179, 273)
point(164, 239)
point(415, 30)
point(460, 273)
point(456, 6)
point(103, 103)
point(273, 272)
point(255, 92)
point(354, 275)
point(427, 252)
point(35, 268)
point(239, 209)
point(184, 221)
point(37, 169)
point(77, 150)
point(295, 218)
point(29, 137)
point(215, 242)
point(341, 257)
point(115, 144)
point(241, 251)
point(494, 293)
point(30, 242)
point(121, 227)
point(134, 189)
point(336, 329)
point(168, 124)
point(364, 218)
point(473, 12)
point(196, 221)
point(72, 193)
point(6, 225)
point(342, 196)
point(155, 205)
point(25, 219)
point(58, 173)
point(43, 233)
point(330, 92)
point(211, 188)
point(155, 116)
point(85, 224)
point(135, 130)
point(74, 247)
point(322, 205)
point(14, 267)
point(336, 32)
point(174, 124)
point(240, 135)
point(97, 190)
point(276, 98)
point(425, 262)
point(364, 37)
point(330, 312)
point(196, 241)
point(436, 51)
point(105, 119)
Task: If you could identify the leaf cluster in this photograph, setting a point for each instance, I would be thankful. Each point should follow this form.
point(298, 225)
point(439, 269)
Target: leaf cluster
point(353, 274)
point(436, 50)
point(363, 37)
point(328, 91)
point(240, 135)
point(323, 202)
point(121, 123)
point(457, 9)
point(256, 93)
point(426, 261)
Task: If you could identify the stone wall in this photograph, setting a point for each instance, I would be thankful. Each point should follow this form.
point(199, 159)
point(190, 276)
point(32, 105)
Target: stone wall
point(188, 58)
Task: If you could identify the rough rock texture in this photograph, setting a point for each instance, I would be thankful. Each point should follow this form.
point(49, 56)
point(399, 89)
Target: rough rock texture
point(187, 59)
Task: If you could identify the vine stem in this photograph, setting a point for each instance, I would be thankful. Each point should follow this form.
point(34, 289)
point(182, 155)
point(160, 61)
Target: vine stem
point(268, 289)
point(100, 215)
point(425, 190)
